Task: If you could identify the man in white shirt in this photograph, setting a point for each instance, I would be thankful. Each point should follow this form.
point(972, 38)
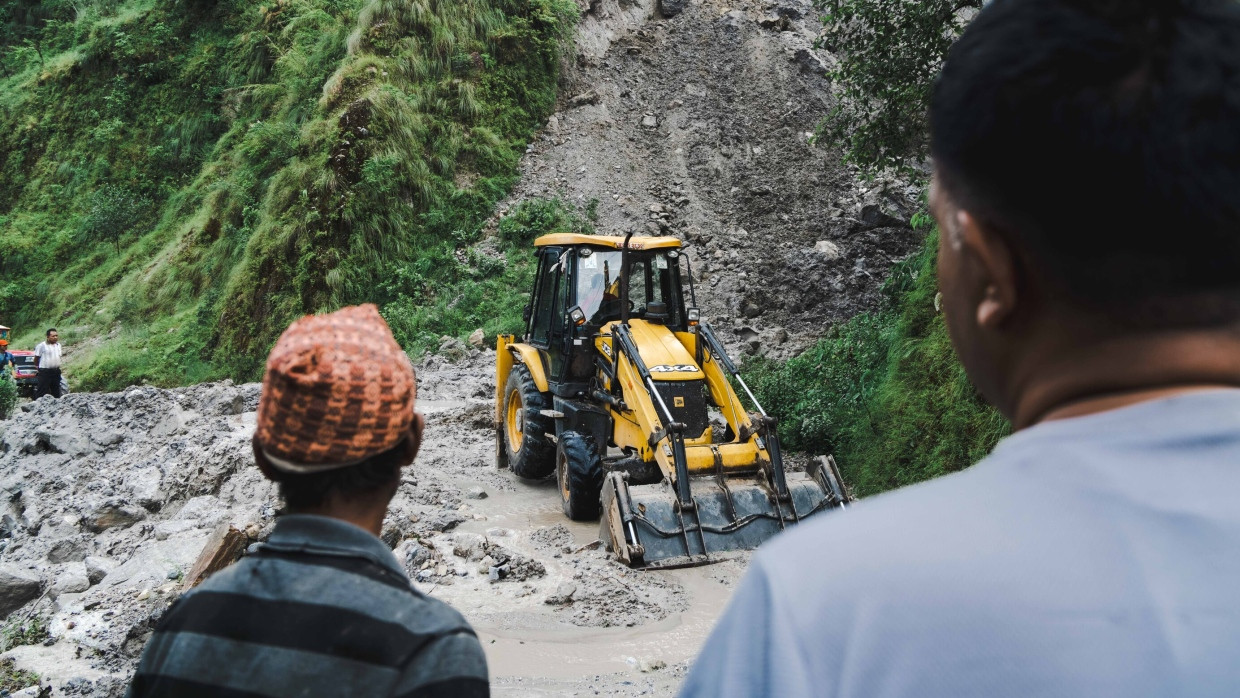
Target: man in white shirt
point(47, 358)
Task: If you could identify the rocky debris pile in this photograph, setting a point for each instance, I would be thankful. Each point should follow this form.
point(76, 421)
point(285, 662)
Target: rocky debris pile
point(698, 120)
point(494, 560)
point(105, 502)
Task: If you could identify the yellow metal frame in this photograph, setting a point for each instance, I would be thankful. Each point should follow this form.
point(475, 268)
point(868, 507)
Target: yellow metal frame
point(614, 242)
point(633, 427)
point(507, 352)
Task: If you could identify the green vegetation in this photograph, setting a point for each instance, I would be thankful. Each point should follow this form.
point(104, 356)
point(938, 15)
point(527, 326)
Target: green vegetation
point(15, 633)
point(488, 288)
point(8, 395)
point(889, 51)
point(884, 391)
point(12, 679)
point(26, 631)
point(182, 179)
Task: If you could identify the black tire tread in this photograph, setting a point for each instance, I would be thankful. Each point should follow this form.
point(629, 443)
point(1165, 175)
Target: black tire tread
point(536, 459)
point(585, 476)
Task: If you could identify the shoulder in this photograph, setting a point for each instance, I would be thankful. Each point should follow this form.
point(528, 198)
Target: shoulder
point(955, 531)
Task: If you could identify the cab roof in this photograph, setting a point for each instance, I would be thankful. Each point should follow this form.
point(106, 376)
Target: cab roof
point(614, 242)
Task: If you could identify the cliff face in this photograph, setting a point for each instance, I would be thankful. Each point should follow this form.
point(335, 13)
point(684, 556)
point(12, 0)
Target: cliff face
point(697, 119)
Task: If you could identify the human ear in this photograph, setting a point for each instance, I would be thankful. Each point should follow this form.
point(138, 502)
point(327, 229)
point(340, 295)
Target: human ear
point(413, 442)
point(996, 265)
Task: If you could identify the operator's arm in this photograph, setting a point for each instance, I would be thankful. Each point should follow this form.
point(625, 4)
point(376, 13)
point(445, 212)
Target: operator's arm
point(452, 666)
point(753, 650)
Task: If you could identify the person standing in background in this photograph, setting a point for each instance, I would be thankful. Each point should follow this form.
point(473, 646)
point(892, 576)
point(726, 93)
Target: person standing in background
point(6, 359)
point(47, 358)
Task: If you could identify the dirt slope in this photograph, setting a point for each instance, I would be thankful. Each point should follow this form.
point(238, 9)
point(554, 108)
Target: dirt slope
point(700, 125)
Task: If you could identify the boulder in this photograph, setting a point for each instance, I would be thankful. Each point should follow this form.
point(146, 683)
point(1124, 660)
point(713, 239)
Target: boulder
point(18, 587)
point(750, 309)
point(563, 595)
point(873, 216)
point(477, 338)
point(452, 349)
point(98, 567)
point(584, 98)
point(73, 580)
point(113, 515)
point(66, 550)
point(144, 486)
point(671, 8)
point(470, 546)
point(776, 22)
point(829, 250)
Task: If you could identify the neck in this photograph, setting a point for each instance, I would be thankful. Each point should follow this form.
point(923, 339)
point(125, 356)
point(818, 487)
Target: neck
point(366, 515)
point(1122, 371)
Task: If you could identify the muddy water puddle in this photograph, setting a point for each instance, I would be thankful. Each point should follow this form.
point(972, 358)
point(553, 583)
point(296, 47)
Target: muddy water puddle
point(572, 652)
point(525, 637)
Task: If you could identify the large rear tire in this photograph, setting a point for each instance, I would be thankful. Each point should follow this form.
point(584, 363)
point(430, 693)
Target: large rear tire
point(531, 454)
point(579, 471)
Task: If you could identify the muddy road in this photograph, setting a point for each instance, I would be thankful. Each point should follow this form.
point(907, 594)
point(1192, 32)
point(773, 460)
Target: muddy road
point(106, 500)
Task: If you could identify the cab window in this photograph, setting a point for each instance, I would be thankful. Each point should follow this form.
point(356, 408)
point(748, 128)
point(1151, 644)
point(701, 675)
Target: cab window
point(544, 297)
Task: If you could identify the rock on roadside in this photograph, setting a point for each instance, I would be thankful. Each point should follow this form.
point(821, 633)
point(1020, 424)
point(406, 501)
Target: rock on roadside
point(17, 588)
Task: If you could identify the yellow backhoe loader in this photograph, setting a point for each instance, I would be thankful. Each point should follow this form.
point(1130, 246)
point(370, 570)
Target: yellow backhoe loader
point(612, 389)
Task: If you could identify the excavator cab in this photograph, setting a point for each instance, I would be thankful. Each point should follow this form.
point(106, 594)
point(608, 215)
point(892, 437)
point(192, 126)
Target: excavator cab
point(612, 389)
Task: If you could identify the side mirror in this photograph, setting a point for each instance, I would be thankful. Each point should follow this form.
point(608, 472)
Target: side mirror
point(694, 315)
point(525, 314)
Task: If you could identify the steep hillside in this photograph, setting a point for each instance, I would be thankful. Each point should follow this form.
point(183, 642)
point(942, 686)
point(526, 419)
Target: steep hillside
point(697, 119)
point(180, 179)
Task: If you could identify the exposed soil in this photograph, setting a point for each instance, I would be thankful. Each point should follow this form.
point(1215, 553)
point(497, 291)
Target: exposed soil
point(700, 125)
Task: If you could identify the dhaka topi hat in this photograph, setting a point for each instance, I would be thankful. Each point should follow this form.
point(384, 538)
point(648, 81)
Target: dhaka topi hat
point(338, 389)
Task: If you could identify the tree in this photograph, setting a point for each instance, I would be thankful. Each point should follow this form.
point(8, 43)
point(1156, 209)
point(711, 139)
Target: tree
point(113, 212)
point(889, 53)
point(21, 24)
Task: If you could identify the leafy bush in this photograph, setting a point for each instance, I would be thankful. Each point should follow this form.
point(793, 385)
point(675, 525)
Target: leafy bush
point(534, 217)
point(8, 395)
point(22, 631)
point(884, 391)
point(113, 212)
point(889, 53)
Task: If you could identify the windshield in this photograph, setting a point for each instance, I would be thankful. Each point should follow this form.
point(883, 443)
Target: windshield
point(651, 280)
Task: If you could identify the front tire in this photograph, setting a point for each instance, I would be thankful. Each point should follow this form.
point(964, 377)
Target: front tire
point(530, 453)
point(579, 471)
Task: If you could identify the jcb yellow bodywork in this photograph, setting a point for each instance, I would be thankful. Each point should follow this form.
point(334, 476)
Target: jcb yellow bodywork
point(675, 351)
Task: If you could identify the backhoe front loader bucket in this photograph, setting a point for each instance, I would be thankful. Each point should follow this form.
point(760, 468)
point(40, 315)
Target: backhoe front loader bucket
point(646, 527)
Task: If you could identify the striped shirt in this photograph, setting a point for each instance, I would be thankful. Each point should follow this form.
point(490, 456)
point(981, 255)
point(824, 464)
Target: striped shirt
point(322, 609)
point(49, 354)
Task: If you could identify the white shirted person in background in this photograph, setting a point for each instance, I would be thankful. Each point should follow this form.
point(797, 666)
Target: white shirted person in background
point(47, 358)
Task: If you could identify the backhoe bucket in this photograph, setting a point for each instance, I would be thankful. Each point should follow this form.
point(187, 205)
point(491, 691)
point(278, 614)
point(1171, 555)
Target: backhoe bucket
point(645, 527)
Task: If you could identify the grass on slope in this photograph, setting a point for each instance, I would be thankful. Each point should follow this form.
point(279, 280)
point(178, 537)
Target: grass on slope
point(179, 180)
point(884, 392)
